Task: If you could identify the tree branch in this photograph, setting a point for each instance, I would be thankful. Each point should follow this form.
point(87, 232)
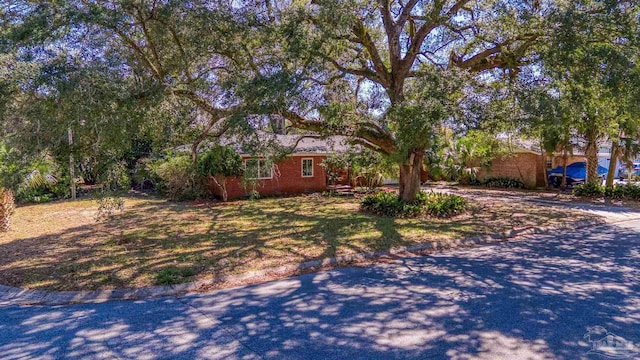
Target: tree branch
point(364, 72)
point(137, 49)
point(151, 44)
point(406, 12)
point(181, 50)
point(360, 31)
point(383, 140)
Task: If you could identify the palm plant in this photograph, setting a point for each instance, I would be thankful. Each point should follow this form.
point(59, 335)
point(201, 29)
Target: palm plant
point(628, 151)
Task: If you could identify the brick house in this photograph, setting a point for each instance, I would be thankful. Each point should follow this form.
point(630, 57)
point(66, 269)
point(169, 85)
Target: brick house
point(299, 172)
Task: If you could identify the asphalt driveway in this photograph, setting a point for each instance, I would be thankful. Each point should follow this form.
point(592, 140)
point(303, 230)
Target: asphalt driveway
point(533, 299)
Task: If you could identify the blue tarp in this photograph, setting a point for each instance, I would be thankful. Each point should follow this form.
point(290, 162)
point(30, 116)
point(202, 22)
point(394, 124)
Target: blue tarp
point(577, 170)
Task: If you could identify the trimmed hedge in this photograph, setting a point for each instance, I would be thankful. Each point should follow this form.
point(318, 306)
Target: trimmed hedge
point(433, 204)
point(629, 192)
point(588, 190)
point(504, 182)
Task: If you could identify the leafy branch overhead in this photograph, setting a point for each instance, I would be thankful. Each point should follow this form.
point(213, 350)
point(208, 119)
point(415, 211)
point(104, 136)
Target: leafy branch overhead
point(388, 74)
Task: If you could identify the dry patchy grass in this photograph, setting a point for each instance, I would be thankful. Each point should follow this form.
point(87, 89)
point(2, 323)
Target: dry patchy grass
point(60, 246)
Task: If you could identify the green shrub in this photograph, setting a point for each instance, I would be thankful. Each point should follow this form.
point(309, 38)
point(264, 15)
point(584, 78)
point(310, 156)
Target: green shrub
point(352, 193)
point(472, 181)
point(7, 206)
point(108, 205)
point(504, 182)
point(115, 177)
point(630, 191)
point(178, 178)
point(34, 196)
point(445, 205)
point(330, 193)
point(383, 203)
point(174, 275)
point(334, 165)
point(369, 168)
point(141, 175)
point(588, 190)
point(144, 175)
point(616, 192)
point(39, 188)
point(218, 164)
point(433, 204)
point(62, 188)
point(254, 195)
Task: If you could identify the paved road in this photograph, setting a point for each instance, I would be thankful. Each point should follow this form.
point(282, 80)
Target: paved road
point(522, 300)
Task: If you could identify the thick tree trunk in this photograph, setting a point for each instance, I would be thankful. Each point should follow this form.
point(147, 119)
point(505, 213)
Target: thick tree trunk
point(591, 152)
point(611, 173)
point(410, 175)
point(194, 152)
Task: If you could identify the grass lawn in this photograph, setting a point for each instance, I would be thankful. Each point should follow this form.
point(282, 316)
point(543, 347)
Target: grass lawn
point(60, 246)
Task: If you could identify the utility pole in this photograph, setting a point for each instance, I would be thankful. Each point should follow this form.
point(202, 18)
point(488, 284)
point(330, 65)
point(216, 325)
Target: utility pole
point(71, 165)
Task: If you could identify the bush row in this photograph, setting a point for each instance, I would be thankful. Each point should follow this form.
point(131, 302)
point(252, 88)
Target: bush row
point(432, 204)
point(631, 192)
point(504, 182)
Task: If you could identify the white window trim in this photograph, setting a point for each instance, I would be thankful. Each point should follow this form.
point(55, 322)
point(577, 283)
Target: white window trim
point(302, 168)
point(263, 161)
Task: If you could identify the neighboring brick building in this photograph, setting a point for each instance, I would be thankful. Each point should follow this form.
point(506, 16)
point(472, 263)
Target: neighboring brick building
point(525, 165)
point(298, 173)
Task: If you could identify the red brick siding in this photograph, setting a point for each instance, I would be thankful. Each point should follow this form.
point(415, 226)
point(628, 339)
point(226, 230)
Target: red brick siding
point(287, 179)
point(527, 167)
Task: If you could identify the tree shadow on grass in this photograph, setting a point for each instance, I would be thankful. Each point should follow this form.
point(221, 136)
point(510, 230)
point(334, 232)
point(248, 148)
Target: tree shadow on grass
point(521, 300)
point(213, 240)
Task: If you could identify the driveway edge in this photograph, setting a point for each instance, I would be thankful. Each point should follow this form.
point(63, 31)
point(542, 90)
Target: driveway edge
point(12, 296)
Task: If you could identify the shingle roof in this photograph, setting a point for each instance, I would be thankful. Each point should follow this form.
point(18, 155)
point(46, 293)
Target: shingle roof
point(304, 144)
point(313, 145)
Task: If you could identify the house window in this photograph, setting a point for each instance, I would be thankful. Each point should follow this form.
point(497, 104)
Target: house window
point(258, 169)
point(549, 163)
point(307, 167)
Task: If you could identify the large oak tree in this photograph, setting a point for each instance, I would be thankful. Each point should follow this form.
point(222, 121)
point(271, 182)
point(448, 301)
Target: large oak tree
point(386, 73)
point(377, 70)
